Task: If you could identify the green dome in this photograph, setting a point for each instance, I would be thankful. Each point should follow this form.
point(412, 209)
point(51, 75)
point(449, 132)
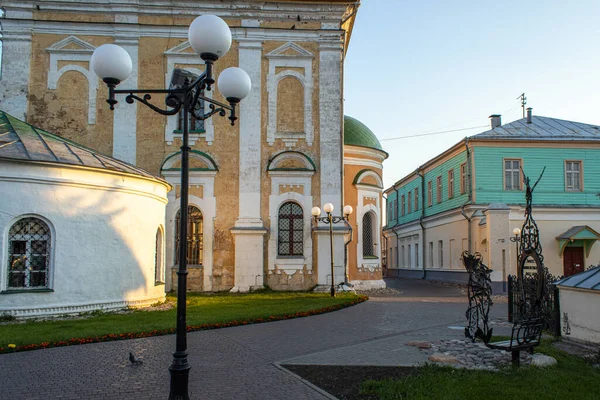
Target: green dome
point(357, 134)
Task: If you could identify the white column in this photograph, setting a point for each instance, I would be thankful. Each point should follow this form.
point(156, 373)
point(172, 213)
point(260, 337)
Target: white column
point(125, 115)
point(16, 57)
point(249, 230)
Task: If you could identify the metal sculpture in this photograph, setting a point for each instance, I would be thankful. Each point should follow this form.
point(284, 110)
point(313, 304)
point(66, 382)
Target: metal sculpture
point(480, 297)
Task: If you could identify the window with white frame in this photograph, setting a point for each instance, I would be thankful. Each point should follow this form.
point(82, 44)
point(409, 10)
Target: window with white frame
point(439, 189)
point(512, 174)
point(402, 256)
point(409, 202)
point(409, 256)
point(431, 254)
point(403, 206)
point(416, 199)
point(451, 184)
point(441, 253)
point(291, 230)
point(573, 176)
point(29, 242)
point(429, 193)
point(195, 236)
point(367, 235)
point(463, 178)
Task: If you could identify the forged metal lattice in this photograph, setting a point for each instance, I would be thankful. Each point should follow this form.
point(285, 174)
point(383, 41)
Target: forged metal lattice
point(368, 235)
point(195, 236)
point(28, 253)
point(291, 230)
point(535, 294)
point(480, 298)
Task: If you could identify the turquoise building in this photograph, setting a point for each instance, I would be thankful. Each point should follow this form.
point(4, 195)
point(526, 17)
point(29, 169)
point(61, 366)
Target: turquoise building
point(472, 197)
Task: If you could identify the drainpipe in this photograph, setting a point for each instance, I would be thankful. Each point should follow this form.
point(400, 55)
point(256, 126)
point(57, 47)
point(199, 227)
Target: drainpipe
point(421, 173)
point(469, 194)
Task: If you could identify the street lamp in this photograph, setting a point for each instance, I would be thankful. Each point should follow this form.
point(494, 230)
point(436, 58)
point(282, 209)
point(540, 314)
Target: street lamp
point(516, 239)
point(328, 208)
point(210, 37)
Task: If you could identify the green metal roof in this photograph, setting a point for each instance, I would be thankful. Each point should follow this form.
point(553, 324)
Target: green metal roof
point(358, 134)
point(21, 141)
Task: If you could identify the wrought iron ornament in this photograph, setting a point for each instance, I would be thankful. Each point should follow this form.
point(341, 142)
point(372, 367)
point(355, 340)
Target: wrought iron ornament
point(480, 297)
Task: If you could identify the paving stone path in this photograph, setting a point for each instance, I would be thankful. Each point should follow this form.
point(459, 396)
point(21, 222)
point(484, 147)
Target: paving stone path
point(243, 362)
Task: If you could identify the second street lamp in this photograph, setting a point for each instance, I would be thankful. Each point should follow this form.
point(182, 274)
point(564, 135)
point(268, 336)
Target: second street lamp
point(330, 219)
point(210, 37)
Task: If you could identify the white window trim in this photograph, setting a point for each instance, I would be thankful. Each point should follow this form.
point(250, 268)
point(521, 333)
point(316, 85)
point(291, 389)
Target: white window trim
point(180, 55)
point(278, 59)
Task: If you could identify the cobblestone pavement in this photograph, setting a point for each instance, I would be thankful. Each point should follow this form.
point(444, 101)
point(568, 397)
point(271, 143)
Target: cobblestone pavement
point(242, 362)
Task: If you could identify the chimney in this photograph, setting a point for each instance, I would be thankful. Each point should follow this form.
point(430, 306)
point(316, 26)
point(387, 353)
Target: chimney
point(496, 120)
point(529, 114)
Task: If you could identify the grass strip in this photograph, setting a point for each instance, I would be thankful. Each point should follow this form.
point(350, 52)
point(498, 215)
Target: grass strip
point(204, 311)
point(571, 378)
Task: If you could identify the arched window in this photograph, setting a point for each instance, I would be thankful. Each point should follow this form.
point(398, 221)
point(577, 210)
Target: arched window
point(195, 231)
point(28, 254)
point(291, 230)
point(159, 275)
point(194, 124)
point(367, 235)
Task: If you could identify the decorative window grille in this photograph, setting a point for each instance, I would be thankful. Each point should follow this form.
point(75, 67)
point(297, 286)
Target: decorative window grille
point(158, 258)
point(367, 235)
point(195, 236)
point(463, 178)
point(291, 230)
point(194, 125)
point(451, 184)
point(28, 254)
point(439, 189)
point(512, 175)
point(573, 175)
point(416, 199)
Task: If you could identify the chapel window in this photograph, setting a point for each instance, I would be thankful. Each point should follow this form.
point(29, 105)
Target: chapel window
point(28, 254)
point(291, 230)
point(195, 237)
point(367, 235)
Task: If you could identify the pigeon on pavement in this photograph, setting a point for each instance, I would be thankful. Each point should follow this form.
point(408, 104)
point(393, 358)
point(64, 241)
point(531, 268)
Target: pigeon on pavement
point(134, 360)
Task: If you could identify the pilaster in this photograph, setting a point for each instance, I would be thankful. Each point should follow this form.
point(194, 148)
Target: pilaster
point(14, 78)
point(125, 115)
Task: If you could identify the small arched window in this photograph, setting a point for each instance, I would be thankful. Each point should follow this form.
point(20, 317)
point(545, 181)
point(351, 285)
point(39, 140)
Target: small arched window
point(291, 230)
point(159, 274)
point(29, 242)
point(367, 235)
point(195, 230)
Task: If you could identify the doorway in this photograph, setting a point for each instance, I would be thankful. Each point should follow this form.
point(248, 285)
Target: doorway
point(573, 260)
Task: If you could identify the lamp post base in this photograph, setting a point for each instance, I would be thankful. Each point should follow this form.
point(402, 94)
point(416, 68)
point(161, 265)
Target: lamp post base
point(179, 381)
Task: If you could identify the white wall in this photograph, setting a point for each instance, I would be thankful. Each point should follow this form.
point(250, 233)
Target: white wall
point(582, 311)
point(104, 233)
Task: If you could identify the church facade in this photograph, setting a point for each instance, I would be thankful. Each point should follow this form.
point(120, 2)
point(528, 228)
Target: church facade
point(252, 185)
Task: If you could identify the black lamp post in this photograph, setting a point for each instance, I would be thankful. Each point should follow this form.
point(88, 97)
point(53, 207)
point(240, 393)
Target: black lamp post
point(515, 239)
point(330, 219)
point(210, 37)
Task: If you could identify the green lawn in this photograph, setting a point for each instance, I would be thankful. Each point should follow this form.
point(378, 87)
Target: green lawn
point(208, 310)
point(571, 378)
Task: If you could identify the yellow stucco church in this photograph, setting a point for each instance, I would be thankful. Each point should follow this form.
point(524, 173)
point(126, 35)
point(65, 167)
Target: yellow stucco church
point(252, 185)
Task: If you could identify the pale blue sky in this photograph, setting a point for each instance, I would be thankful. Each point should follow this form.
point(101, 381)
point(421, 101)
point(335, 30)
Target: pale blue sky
point(423, 66)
